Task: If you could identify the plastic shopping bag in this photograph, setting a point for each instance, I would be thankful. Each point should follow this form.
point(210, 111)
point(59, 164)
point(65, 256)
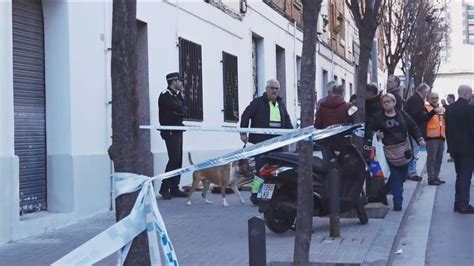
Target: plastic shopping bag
point(378, 163)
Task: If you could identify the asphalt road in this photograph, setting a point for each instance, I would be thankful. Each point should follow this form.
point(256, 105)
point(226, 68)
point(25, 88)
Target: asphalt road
point(451, 235)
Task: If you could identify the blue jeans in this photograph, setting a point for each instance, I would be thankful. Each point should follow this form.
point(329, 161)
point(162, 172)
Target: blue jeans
point(412, 164)
point(398, 175)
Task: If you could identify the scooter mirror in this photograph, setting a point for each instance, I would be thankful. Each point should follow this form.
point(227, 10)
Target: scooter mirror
point(352, 110)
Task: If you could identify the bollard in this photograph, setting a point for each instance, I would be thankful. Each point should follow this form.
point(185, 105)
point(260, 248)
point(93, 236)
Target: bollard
point(257, 242)
point(334, 201)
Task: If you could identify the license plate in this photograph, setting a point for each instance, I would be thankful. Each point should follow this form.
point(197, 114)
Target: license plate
point(266, 191)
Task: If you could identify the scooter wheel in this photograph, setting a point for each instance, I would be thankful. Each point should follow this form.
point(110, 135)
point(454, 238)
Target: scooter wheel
point(278, 222)
point(362, 213)
point(254, 199)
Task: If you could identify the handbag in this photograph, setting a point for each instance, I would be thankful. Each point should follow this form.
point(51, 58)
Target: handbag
point(399, 154)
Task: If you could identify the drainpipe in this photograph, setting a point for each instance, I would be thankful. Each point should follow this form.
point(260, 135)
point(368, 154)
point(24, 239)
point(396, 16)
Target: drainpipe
point(295, 78)
point(108, 97)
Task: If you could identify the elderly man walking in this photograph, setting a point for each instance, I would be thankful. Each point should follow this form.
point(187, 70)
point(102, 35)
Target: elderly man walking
point(415, 107)
point(266, 111)
point(435, 137)
point(460, 138)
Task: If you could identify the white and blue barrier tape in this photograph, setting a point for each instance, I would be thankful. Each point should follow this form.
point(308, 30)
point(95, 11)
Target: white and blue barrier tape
point(266, 131)
point(145, 214)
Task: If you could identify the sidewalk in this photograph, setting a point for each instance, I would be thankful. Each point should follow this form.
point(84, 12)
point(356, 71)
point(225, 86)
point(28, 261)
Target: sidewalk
point(216, 235)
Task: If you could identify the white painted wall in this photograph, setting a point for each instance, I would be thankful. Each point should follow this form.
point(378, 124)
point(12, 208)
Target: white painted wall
point(8, 162)
point(6, 81)
point(88, 76)
point(76, 66)
point(215, 32)
point(448, 83)
point(78, 86)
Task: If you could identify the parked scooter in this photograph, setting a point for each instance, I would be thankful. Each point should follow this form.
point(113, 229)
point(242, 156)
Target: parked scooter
point(277, 196)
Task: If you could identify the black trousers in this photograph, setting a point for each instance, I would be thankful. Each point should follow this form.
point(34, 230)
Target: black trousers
point(464, 166)
point(174, 146)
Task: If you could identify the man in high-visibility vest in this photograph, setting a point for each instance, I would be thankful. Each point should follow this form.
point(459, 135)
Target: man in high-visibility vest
point(266, 111)
point(435, 138)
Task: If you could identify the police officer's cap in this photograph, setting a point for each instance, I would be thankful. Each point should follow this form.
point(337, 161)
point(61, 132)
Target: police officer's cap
point(173, 76)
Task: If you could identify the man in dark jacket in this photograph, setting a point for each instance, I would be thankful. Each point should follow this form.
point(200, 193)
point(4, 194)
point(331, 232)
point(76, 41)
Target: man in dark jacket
point(415, 107)
point(460, 138)
point(266, 111)
point(171, 110)
point(333, 110)
point(373, 103)
point(373, 106)
point(393, 87)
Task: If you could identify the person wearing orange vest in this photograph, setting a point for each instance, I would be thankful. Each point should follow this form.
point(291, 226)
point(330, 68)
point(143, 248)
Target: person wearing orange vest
point(435, 137)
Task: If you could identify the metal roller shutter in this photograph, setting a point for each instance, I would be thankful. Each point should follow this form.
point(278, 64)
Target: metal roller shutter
point(29, 102)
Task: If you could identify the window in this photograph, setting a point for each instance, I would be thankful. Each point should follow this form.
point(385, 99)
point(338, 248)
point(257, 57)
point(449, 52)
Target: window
point(335, 77)
point(231, 87)
point(325, 80)
point(257, 66)
point(281, 70)
point(190, 67)
point(299, 3)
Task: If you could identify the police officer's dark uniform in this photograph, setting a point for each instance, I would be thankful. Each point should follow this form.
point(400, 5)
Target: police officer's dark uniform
point(171, 110)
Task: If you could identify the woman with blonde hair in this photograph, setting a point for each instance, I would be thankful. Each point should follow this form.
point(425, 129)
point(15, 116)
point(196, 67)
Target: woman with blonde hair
point(394, 127)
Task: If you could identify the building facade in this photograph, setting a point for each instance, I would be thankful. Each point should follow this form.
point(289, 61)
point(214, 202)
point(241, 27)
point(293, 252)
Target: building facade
point(458, 66)
point(55, 89)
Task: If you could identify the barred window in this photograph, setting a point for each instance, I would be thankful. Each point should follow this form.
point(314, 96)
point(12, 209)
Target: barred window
point(231, 87)
point(190, 67)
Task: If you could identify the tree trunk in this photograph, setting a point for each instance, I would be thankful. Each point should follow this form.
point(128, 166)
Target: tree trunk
point(304, 217)
point(391, 68)
point(365, 40)
point(125, 150)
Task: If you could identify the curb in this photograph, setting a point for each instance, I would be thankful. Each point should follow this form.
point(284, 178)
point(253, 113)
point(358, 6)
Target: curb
point(377, 254)
point(403, 223)
point(398, 236)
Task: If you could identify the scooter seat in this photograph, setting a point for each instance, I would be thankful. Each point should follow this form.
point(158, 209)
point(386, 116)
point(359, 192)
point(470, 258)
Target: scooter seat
point(293, 158)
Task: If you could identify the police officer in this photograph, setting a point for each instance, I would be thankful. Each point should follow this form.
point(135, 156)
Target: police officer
point(171, 110)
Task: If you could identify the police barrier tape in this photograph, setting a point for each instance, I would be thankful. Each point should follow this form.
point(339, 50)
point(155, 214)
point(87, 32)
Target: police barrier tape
point(266, 131)
point(145, 214)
